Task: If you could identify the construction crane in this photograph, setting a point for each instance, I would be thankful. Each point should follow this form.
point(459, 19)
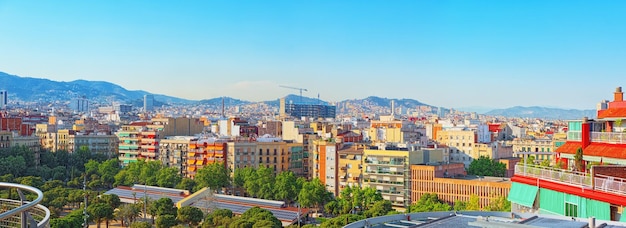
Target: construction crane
point(301, 89)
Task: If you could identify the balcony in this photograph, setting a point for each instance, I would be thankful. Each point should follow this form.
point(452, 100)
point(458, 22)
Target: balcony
point(574, 136)
point(608, 137)
point(601, 183)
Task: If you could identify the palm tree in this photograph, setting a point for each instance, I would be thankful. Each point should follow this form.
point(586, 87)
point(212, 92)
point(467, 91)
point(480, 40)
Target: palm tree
point(127, 213)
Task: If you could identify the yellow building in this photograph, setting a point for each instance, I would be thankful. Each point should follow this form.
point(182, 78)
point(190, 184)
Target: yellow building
point(350, 166)
point(275, 155)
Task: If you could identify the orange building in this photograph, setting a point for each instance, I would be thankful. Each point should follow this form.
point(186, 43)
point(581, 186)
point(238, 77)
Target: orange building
point(202, 153)
point(450, 183)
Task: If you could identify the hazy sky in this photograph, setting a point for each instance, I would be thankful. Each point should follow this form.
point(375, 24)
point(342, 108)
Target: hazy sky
point(569, 54)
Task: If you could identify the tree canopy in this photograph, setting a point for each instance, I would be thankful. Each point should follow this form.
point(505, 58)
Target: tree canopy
point(429, 202)
point(485, 166)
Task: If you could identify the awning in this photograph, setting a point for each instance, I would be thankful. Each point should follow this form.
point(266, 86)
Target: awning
point(191, 162)
point(191, 154)
point(523, 194)
point(199, 162)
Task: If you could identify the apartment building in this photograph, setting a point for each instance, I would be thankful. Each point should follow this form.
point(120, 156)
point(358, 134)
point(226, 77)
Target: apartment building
point(324, 163)
point(96, 143)
point(540, 148)
point(461, 143)
point(204, 152)
point(173, 151)
point(386, 169)
point(450, 182)
point(598, 188)
point(350, 166)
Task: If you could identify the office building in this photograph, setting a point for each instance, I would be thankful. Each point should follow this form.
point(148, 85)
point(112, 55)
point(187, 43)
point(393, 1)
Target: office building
point(313, 111)
point(148, 103)
point(4, 99)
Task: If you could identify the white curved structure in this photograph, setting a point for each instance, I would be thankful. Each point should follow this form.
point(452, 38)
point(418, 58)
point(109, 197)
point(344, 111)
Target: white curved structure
point(21, 213)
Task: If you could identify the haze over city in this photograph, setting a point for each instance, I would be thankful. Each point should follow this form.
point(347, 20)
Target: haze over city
point(446, 53)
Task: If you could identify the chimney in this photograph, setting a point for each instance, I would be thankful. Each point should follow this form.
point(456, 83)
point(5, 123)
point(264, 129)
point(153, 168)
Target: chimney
point(586, 133)
point(618, 95)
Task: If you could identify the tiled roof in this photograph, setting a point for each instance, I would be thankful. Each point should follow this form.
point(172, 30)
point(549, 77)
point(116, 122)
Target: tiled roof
point(569, 147)
point(612, 113)
point(606, 150)
point(595, 149)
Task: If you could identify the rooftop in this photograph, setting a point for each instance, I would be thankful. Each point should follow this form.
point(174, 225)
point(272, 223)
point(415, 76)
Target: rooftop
point(477, 219)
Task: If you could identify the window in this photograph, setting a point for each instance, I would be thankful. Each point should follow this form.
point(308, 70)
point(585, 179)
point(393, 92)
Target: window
point(274, 151)
point(274, 159)
point(571, 210)
point(260, 151)
point(267, 152)
point(267, 160)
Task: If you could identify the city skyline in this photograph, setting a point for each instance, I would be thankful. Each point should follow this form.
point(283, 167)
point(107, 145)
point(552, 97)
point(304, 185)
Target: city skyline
point(453, 54)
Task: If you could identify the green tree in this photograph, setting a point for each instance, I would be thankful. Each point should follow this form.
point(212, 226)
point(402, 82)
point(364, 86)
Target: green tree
point(578, 159)
point(341, 221)
point(218, 218)
point(379, 208)
point(140, 225)
point(189, 215)
point(530, 160)
point(266, 181)
point(257, 217)
point(168, 177)
point(107, 171)
point(545, 163)
point(166, 221)
point(313, 193)
point(99, 212)
point(429, 202)
point(164, 206)
point(500, 203)
point(473, 204)
point(186, 184)
point(127, 213)
point(285, 188)
point(460, 205)
point(484, 166)
point(214, 176)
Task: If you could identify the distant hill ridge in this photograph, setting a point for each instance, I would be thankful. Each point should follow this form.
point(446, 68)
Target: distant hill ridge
point(39, 89)
point(543, 112)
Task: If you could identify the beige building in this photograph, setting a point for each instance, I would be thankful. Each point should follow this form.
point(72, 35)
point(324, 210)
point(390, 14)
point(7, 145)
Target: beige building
point(387, 171)
point(540, 148)
point(95, 143)
point(173, 152)
point(451, 184)
point(461, 144)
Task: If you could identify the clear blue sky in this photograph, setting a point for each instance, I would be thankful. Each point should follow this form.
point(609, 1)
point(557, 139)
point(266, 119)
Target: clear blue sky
point(568, 54)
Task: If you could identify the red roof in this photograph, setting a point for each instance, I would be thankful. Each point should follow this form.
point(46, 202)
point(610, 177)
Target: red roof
point(569, 147)
point(612, 113)
point(606, 150)
point(595, 149)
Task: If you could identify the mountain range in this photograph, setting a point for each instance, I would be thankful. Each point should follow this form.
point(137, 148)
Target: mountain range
point(543, 112)
point(45, 90)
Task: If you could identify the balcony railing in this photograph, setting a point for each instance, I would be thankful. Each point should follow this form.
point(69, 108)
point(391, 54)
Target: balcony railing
point(20, 213)
point(574, 135)
point(602, 183)
point(609, 137)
